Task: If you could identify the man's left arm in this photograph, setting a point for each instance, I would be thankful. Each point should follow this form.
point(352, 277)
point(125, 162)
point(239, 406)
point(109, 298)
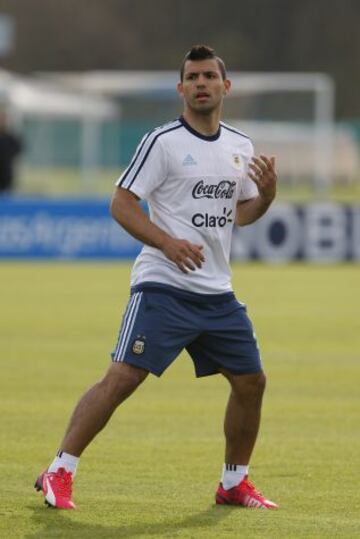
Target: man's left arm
point(263, 173)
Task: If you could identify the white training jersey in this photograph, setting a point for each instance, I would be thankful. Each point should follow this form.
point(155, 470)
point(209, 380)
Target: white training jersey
point(191, 183)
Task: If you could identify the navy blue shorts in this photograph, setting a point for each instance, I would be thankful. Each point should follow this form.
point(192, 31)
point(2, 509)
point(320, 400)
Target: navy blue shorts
point(160, 321)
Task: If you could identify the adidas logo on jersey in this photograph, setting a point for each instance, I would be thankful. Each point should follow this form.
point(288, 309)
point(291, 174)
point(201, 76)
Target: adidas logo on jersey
point(189, 160)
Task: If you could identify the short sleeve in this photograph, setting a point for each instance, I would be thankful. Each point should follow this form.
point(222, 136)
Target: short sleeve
point(248, 188)
point(148, 168)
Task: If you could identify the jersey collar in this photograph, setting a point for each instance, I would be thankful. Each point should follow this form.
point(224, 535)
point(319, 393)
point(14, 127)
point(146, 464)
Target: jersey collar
point(200, 135)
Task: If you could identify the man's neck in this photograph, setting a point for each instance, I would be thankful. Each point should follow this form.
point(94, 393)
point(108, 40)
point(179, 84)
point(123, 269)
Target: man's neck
point(205, 124)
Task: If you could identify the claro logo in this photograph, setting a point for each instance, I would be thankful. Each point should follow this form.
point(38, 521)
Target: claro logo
point(211, 221)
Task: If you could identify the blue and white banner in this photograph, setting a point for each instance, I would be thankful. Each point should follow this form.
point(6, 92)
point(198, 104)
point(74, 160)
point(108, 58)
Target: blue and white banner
point(83, 228)
point(67, 228)
point(317, 232)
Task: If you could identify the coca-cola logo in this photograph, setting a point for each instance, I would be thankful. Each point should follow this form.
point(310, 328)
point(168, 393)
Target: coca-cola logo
point(223, 189)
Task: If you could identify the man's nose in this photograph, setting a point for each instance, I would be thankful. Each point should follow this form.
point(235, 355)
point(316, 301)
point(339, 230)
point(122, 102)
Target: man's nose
point(200, 81)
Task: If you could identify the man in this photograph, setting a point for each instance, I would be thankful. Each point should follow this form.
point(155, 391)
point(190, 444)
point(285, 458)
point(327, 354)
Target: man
point(199, 178)
point(10, 147)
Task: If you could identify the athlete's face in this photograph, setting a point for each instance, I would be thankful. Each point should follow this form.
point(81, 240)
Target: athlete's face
point(203, 87)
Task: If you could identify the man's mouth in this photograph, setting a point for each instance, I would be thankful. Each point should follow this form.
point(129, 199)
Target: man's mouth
point(202, 95)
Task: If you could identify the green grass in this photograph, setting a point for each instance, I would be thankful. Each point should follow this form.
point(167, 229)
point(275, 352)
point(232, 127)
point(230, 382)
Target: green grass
point(58, 182)
point(153, 471)
point(70, 182)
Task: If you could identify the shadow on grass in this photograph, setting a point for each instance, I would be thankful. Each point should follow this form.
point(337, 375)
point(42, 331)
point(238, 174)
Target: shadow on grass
point(55, 523)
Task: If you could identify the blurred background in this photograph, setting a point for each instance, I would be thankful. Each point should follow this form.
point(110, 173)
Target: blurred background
point(80, 83)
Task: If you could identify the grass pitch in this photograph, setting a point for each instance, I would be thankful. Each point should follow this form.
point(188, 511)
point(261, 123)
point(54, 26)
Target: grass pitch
point(67, 182)
point(154, 470)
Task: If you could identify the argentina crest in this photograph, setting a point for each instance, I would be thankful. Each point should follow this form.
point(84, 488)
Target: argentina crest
point(139, 345)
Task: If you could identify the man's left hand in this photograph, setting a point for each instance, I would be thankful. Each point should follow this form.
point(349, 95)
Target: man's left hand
point(262, 172)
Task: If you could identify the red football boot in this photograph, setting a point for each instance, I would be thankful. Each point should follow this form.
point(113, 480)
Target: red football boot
point(57, 488)
point(243, 494)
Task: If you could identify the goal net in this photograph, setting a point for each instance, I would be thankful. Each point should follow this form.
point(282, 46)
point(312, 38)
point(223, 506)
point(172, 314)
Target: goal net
point(289, 115)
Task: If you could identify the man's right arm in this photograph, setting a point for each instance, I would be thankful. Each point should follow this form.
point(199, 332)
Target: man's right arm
point(126, 210)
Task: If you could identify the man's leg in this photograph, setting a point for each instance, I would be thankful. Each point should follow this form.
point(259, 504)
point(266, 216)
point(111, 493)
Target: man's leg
point(242, 417)
point(241, 426)
point(98, 404)
point(90, 415)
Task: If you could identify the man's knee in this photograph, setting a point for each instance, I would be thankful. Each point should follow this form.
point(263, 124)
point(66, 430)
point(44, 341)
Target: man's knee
point(260, 382)
point(121, 380)
point(248, 385)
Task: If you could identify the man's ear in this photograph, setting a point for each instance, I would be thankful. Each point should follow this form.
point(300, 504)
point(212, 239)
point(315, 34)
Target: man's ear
point(179, 88)
point(227, 86)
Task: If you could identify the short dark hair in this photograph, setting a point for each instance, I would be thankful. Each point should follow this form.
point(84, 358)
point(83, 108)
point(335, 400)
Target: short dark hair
point(202, 52)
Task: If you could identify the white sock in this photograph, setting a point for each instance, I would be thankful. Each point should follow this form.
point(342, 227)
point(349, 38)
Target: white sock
point(233, 474)
point(64, 460)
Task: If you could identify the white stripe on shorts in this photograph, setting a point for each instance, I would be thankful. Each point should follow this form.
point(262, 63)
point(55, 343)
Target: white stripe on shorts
point(127, 326)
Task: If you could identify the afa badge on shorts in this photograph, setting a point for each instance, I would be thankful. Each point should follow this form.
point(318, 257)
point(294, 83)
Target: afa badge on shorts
point(138, 346)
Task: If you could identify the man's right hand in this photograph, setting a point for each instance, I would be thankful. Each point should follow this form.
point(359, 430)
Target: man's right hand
point(126, 210)
point(186, 255)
